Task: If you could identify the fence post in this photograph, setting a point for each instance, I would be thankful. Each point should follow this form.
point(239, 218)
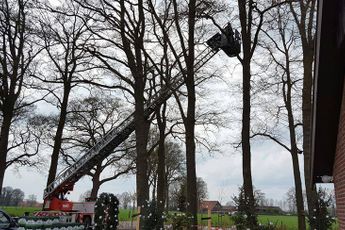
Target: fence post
point(137, 227)
point(210, 219)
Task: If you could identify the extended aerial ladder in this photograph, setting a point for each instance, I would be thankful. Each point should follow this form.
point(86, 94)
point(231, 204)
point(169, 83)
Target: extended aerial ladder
point(227, 40)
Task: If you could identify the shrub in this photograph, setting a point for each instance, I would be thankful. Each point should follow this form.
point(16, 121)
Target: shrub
point(321, 218)
point(106, 212)
point(153, 219)
point(180, 221)
point(245, 217)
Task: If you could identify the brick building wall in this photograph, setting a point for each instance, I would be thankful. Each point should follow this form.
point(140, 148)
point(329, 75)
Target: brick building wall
point(339, 168)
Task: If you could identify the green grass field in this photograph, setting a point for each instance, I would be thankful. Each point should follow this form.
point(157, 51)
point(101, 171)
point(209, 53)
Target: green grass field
point(19, 211)
point(217, 220)
point(284, 222)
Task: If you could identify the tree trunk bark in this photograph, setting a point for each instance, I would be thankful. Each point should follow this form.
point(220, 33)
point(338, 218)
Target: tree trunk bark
point(58, 137)
point(190, 152)
point(307, 122)
point(4, 135)
point(298, 191)
point(307, 33)
point(246, 17)
point(167, 204)
point(161, 184)
point(293, 143)
point(192, 198)
point(154, 188)
point(246, 162)
point(141, 131)
point(191, 171)
point(96, 182)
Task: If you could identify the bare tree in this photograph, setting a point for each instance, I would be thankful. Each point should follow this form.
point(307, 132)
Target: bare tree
point(89, 120)
point(121, 26)
point(17, 54)
point(24, 142)
point(251, 15)
point(176, 18)
point(63, 36)
point(125, 200)
point(201, 190)
point(175, 167)
point(179, 193)
point(174, 163)
point(284, 80)
point(31, 201)
point(249, 40)
point(291, 200)
point(304, 15)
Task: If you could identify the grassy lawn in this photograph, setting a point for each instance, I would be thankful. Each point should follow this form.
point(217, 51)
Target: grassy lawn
point(217, 220)
point(126, 214)
point(19, 211)
point(284, 222)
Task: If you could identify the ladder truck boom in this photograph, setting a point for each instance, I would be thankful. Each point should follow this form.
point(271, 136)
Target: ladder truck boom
point(65, 181)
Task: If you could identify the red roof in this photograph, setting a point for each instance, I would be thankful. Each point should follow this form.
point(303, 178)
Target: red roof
point(209, 204)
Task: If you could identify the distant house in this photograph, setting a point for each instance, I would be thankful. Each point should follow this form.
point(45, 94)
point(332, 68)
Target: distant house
point(269, 210)
point(205, 205)
point(228, 209)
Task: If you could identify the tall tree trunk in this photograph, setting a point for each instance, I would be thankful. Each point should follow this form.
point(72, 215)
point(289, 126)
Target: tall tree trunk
point(5, 130)
point(305, 23)
point(307, 111)
point(191, 171)
point(14, 64)
point(246, 17)
point(58, 137)
point(167, 204)
point(298, 192)
point(154, 188)
point(161, 184)
point(295, 164)
point(96, 184)
point(192, 198)
point(293, 143)
point(246, 162)
point(142, 126)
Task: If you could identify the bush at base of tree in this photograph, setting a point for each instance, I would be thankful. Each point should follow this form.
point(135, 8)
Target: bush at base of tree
point(321, 218)
point(106, 212)
point(181, 220)
point(153, 220)
point(246, 216)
